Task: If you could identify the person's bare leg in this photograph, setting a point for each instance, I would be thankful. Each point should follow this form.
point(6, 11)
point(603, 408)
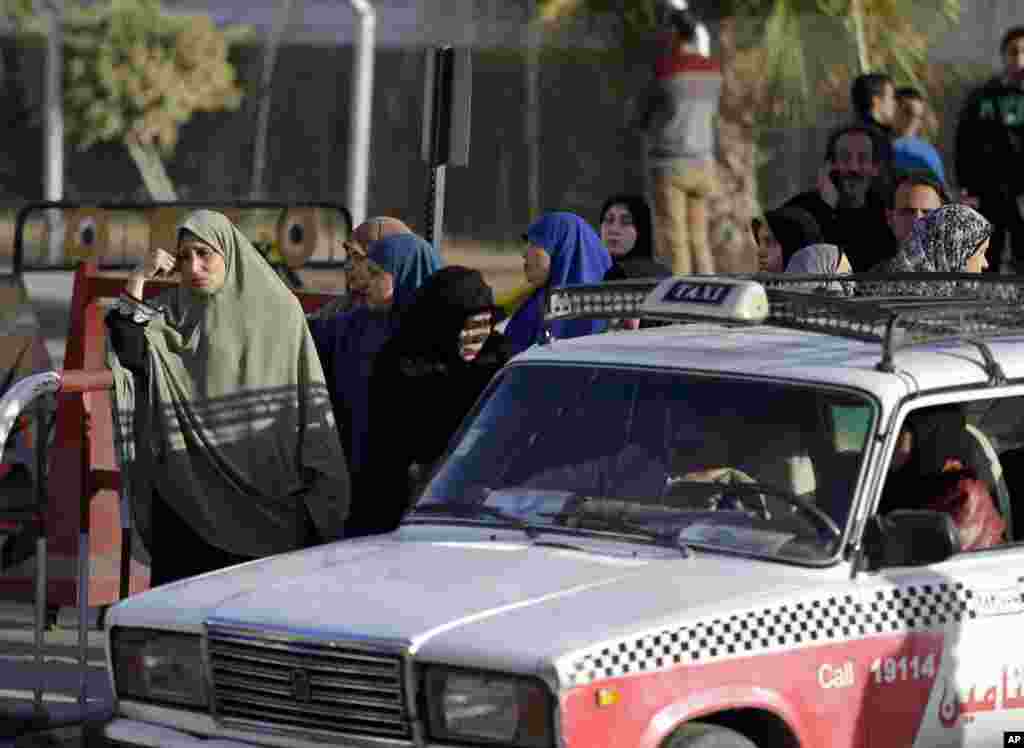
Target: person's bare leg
point(671, 233)
point(697, 211)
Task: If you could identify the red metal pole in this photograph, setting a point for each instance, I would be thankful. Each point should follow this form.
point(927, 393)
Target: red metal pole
point(82, 380)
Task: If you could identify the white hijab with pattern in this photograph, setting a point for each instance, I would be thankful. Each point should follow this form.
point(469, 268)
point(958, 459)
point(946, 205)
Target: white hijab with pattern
point(942, 241)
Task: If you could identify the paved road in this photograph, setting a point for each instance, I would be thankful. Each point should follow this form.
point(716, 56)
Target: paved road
point(50, 293)
point(60, 677)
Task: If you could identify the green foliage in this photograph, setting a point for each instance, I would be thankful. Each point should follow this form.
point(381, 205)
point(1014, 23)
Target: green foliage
point(134, 74)
point(806, 50)
point(633, 19)
point(794, 54)
point(17, 11)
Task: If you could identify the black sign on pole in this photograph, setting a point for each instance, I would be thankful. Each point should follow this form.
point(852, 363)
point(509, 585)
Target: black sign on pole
point(446, 124)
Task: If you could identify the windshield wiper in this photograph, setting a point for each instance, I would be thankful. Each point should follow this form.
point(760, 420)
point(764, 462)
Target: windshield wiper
point(618, 523)
point(475, 511)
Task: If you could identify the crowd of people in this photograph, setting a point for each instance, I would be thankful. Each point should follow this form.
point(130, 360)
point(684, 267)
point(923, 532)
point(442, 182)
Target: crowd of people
point(235, 409)
point(878, 175)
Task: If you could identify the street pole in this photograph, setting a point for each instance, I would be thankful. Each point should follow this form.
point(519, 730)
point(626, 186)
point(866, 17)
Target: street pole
point(53, 127)
point(362, 107)
point(531, 115)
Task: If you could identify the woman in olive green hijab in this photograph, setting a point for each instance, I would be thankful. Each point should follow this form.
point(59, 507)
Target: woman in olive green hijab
point(223, 421)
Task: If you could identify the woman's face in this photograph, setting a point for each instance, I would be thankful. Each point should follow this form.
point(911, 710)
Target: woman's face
point(618, 231)
point(381, 291)
point(202, 268)
point(357, 278)
point(904, 450)
point(769, 251)
point(978, 262)
point(536, 265)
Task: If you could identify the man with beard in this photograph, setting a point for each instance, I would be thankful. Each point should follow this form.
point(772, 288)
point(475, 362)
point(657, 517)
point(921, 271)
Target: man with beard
point(990, 150)
point(850, 213)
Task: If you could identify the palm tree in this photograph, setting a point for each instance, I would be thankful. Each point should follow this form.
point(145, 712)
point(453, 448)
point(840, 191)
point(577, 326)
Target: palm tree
point(785, 62)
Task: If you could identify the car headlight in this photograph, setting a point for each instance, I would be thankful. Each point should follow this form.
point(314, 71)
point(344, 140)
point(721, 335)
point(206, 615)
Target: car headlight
point(481, 707)
point(158, 666)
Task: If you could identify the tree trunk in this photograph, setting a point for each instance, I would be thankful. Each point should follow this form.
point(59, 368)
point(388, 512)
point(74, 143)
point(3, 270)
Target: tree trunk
point(259, 155)
point(151, 168)
point(735, 204)
point(857, 18)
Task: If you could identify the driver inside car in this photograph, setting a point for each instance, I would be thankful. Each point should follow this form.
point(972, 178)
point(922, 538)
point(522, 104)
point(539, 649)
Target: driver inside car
point(930, 471)
point(707, 461)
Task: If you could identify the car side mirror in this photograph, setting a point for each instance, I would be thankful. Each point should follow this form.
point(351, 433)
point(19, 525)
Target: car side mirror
point(911, 537)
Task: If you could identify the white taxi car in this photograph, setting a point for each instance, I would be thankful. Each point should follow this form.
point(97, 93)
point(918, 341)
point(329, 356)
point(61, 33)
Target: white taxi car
point(655, 538)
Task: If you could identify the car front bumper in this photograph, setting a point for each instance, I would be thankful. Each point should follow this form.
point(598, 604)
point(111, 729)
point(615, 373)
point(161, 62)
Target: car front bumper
point(137, 733)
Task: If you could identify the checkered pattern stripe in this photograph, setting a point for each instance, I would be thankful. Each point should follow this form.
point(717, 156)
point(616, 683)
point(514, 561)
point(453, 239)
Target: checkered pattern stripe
point(762, 630)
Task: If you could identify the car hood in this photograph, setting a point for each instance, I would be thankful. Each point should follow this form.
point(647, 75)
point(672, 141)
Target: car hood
point(500, 602)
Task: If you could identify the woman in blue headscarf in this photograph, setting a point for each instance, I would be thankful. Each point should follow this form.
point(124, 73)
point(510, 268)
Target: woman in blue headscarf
point(563, 251)
point(348, 342)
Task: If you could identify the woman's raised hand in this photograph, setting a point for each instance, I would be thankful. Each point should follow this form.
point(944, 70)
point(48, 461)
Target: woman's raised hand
point(157, 262)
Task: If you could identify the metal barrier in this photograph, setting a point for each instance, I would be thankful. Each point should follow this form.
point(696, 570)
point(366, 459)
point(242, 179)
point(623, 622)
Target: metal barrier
point(17, 400)
point(85, 492)
point(76, 521)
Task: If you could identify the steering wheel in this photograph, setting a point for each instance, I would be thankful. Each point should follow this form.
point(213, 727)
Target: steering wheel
point(746, 486)
point(798, 502)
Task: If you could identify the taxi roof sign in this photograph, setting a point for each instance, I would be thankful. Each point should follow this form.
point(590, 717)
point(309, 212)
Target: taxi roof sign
point(708, 297)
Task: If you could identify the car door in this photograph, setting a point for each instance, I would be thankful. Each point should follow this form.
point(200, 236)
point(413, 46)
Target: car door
point(978, 693)
point(956, 662)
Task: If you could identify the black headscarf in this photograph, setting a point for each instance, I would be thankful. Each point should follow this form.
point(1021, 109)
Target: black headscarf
point(420, 391)
point(794, 228)
point(430, 328)
point(939, 434)
point(639, 262)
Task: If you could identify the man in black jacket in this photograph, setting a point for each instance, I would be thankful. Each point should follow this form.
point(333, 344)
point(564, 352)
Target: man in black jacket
point(873, 96)
point(850, 213)
point(990, 150)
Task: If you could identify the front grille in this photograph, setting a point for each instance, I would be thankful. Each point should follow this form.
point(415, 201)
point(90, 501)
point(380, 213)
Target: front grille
point(305, 686)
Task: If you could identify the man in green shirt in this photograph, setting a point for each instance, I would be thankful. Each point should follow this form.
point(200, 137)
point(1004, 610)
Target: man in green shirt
point(990, 150)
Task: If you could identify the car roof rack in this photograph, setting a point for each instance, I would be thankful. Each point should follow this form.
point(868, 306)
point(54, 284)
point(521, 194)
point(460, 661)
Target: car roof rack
point(894, 310)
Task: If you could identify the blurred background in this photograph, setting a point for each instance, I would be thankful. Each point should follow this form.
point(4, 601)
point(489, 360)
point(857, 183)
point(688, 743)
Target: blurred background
point(235, 99)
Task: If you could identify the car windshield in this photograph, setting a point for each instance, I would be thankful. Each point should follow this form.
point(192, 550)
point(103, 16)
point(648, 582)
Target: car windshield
point(744, 466)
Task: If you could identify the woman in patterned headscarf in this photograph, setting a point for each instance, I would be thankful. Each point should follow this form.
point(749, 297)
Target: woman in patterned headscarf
point(223, 421)
point(951, 239)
